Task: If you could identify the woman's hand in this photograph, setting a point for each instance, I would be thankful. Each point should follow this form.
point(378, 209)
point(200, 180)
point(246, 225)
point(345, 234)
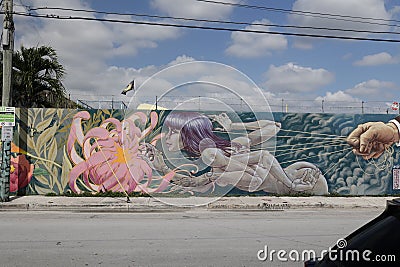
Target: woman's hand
point(304, 176)
point(191, 181)
point(191, 184)
point(223, 120)
point(154, 158)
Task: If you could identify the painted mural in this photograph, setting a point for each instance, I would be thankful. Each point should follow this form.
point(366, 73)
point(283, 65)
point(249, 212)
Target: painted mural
point(57, 151)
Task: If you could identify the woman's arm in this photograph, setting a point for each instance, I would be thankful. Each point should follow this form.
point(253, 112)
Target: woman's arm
point(182, 178)
point(261, 130)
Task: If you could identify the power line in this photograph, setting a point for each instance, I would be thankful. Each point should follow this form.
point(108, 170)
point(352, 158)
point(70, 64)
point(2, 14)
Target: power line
point(305, 13)
point(58, 17)
point(213, 21)
point(309, 13)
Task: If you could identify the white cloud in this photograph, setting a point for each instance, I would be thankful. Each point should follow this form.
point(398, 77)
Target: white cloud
point(209, 84)
point(303, 43)
point(295, 79)
point(194, 9)
point(377, 59)
point(338, 96)
point(181, 59)
point(129, 39)
point(375, 89)
point(395, 11)
point(250, 45)
point(368, 96)
point(184, 79)
point(347, 56)
point(356, 8)
point(84, 47)
point(339, 102)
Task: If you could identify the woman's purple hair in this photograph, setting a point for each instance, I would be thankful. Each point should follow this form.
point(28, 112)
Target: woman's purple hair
point(196, 132)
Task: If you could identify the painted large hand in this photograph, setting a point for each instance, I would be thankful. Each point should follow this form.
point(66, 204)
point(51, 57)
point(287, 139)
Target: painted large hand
point(372, 138)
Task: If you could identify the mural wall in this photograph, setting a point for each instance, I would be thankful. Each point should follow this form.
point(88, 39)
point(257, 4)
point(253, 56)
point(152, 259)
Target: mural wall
point(172, 152)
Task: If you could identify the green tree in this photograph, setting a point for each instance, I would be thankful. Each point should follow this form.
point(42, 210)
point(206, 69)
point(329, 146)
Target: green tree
point(37, 78)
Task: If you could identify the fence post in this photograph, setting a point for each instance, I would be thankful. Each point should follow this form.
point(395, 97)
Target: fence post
point(362, 107)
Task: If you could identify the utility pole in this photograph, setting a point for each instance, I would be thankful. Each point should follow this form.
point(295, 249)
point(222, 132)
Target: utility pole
point(8, 49)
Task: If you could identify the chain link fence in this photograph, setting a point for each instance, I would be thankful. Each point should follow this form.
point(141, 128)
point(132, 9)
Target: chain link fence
point(237, 104)
point(101, 104)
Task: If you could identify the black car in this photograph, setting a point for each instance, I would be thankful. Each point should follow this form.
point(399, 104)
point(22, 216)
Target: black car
point(375, 244)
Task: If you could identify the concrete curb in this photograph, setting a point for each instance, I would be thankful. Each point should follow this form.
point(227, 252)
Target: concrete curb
point(147, 204)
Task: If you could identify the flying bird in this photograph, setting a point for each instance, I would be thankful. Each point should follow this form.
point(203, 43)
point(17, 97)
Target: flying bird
point(129, 87)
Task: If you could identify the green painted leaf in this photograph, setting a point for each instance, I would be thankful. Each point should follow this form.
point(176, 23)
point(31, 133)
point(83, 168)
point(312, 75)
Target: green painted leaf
point(42, 179)
point(43, 191)
point(66, 169)
point(39, 171)
point(45, 137)
point(50, 112)
point(52, 150)
point(43, 124)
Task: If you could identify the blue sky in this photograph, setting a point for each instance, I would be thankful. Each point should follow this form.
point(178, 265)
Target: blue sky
point(101, 58)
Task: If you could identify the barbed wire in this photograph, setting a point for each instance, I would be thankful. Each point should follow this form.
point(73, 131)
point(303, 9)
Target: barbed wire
point(275, 105)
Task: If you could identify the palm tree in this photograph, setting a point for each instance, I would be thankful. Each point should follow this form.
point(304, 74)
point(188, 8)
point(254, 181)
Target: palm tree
point(37, 77)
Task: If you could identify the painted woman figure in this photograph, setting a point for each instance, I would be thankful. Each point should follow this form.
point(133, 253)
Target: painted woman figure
point(233, 162)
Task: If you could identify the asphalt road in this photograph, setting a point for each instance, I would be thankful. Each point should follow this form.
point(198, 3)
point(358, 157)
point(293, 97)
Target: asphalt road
point(191, 238)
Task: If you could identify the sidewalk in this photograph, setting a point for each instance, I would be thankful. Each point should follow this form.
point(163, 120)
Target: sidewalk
point(148, 204)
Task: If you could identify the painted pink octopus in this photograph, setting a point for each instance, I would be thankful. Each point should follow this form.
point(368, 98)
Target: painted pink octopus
point(109, 156)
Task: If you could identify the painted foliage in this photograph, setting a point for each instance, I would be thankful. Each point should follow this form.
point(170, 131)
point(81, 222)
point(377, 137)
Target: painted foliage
point(164, 152)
